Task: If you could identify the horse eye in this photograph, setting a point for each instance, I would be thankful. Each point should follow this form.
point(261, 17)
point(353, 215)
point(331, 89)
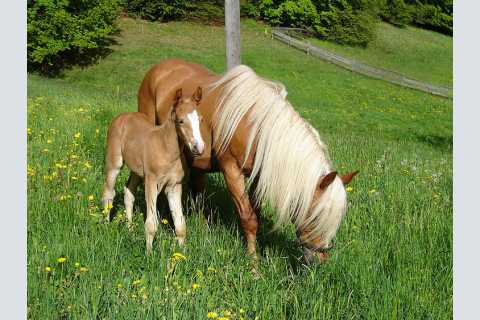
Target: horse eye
point(180, 121)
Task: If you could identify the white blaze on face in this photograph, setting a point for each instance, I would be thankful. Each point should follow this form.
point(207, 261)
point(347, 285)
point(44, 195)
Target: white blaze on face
point(195, 121)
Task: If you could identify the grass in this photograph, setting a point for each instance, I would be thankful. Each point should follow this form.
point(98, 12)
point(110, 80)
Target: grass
point(421, 54)
point(393, 254)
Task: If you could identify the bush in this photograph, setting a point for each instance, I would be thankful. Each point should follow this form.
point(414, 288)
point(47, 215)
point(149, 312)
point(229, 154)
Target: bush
point(431, 17)
point(163, 10)
point(301, 13)
point(342, 21)
point(347, 26)
point(206, 11)
point(395, 12)
point(60, 29)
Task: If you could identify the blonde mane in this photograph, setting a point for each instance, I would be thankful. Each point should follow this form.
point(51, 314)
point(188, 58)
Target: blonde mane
point(290, 158)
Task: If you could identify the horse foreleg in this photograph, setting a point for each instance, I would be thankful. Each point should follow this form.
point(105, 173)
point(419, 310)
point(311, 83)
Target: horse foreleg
point(235, 181)
point(174, 196)
point(151, 222)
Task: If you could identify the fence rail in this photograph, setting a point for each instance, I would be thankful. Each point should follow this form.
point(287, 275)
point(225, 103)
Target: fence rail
point(352, 65)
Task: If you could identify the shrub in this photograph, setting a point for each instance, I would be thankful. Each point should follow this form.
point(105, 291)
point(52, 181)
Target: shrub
point(60, 29)
point(347, 26)
point(163, 10)
point(395, 12)
point(431, 17)
point(301, 13)
point(206, 11)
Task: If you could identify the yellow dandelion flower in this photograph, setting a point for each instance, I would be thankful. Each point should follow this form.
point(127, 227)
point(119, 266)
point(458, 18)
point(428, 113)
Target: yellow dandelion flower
point(49, 141)
point(119, 285)
point(97, 131)
point(48, 269)
point(212, 315)
point(164, 221)
point(77, 135)
point(195, 286)
point(62, 197)
point(87, 164)
point(83, 269)
point(138, 281)
point(91, 197)
point(61, 260)
point(178, 256)
point(29, 131)
point(349, 189)
point(241, 310)
point(223, 318)
point(45, 150)
point(77, 264)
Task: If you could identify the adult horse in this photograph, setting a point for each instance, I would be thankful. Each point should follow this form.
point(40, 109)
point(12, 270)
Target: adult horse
point(251, 131)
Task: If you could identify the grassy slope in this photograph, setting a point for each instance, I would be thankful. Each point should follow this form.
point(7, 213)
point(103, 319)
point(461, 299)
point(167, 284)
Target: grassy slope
point(393, 255)
point(421, 54)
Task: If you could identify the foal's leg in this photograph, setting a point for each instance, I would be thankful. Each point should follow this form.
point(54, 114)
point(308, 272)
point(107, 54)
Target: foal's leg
point(235, 181)
point(174, 196)
point(113, 164)
point(151, 223)
point(129, 196)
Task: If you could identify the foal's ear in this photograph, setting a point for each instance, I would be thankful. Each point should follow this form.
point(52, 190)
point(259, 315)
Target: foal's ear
point(178, 94)
point(197, 96)
point(346, 178)
point(327, 180)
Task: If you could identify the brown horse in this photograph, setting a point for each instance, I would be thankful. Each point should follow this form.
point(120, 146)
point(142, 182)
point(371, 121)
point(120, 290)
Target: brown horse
point(155, 154)
point(251, 131)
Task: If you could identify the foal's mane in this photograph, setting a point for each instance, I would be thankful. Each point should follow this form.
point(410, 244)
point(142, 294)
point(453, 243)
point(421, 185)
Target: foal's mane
point(290, 157)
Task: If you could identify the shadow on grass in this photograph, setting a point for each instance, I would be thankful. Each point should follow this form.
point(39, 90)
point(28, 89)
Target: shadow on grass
point(218, 209)
point(438, 142)
point(223, 212)
point(56, 66)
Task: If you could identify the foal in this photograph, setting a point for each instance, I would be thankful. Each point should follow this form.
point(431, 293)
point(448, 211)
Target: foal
point(153, 153)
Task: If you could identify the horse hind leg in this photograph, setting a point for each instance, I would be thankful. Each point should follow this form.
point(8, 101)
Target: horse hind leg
point(129, 196)
point(113, 164)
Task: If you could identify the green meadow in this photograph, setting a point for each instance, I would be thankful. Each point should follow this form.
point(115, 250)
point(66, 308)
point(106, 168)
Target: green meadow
point(417, 53)
point(393, 252)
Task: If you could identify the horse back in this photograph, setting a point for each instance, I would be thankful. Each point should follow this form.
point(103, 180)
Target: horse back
point(157, 92)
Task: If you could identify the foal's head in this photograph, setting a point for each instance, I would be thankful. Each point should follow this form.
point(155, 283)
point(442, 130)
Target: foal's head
point(187, 120)
point(329, 197)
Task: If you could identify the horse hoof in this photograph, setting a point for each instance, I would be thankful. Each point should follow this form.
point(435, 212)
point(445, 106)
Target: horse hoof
point(255, 273)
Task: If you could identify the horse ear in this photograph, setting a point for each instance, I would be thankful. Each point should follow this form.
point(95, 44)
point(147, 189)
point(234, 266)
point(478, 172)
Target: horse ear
point(178, 94)
point(327, 180)
point(346, 178)
point(197, 96)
